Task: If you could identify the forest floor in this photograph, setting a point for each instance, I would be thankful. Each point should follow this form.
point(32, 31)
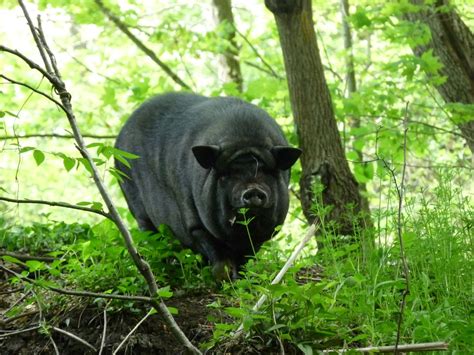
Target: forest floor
point(85, 319)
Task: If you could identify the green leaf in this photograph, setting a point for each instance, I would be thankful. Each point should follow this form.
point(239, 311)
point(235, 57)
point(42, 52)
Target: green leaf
point(359, 19)
point(69, 163)
point(123, 161)
point(305, 348)
point(124, 154)
point(35, 265)
point(352, 155)
point(11, 259)
point(173, 310)
point(86, 164)
point(26, 149)
point(165, 292)
point(39, 156)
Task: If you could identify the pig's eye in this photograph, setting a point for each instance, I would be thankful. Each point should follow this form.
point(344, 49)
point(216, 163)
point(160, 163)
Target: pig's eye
point(224, 175)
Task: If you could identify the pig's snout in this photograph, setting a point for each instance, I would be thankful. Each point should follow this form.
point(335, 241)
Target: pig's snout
point(254, 197)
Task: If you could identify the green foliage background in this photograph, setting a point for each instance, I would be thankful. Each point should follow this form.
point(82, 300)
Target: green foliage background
point(108, 76)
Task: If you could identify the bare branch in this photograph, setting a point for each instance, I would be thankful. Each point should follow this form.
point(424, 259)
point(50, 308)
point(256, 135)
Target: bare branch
point(28, 61)
point(75, 337)
point(269, 70)
point(25, 257)
point(45, 45)
point(124, 28)
point(19, 331)
point(104, 332)
point(131, 332)
point(79, 293)
point(440, 345)
point(55, 135)
point(309, 234)
point(18, 316)
point(58, 204)
point(35, 37)
point(35, 90)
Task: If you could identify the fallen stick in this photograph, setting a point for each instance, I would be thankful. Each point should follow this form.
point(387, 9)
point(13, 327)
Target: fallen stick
point(309, 234)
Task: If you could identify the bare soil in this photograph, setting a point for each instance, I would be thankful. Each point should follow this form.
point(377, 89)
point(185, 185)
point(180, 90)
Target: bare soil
point(85, 320)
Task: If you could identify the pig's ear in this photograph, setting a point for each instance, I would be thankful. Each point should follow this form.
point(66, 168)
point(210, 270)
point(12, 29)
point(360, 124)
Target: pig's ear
point(285, 157)
point(206, 155)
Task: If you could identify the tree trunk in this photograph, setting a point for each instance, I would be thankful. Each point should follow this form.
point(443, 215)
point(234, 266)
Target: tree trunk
point(229, 61)
point(453, 43)
point(323, 156)
point(354, 122)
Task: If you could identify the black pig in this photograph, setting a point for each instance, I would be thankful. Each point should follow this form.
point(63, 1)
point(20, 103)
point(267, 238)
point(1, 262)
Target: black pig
point(201, 161)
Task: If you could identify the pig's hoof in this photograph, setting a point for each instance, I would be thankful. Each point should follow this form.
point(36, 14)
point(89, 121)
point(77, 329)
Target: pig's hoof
point(223, 270)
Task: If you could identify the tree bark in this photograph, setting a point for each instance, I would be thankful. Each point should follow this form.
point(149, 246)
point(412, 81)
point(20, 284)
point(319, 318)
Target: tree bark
point(323, 156)
point(229, 61)
point(453, 43)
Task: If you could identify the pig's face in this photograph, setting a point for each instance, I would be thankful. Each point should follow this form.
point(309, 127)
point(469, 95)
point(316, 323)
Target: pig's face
point(253, 179)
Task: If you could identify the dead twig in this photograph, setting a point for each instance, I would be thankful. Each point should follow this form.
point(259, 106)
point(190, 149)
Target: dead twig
point(309, 234)
point(104, 332)
point(11, 291)
point(440, 345)
point(75, 337)
point(19, 331)
point(18, 301)
point(150, 312)
point(56, 350)
point(19, 316)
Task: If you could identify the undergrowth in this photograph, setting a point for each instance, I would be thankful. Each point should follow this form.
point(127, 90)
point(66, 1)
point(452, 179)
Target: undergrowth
point(344, 296)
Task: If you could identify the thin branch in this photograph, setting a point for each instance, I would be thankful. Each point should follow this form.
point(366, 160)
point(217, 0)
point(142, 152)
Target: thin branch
point(15, 290)
point(79, 293)
point(18, 301)
point(28, 61)
point(264, 62)
point(123, 27)
point(35, 37)
point(25, 257)
point(18, 316)
point(258, 67)
point(75, 337)
point(309, 235)
point(58, 204)
point(400, 187)
point(42, 38)
point(131, 332)
point(56, 350)
point(56, 135)
point(118, 82)
point(440, 345)
point(104, 332)
point(35, 90)
point(19, 331)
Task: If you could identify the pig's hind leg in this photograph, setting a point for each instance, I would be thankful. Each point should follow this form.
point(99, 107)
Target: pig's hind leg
point(135, 204)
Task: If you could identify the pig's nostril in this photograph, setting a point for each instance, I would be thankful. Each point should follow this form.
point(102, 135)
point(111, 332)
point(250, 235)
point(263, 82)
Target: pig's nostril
point(254, 198)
